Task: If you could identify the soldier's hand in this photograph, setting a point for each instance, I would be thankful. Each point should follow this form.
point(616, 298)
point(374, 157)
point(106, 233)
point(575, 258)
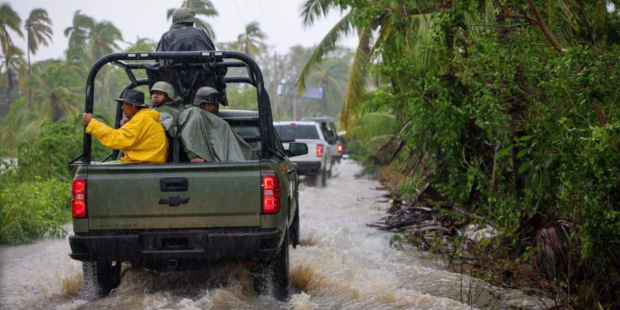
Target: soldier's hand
point(86, 118)
point(197, 160)
point(124, 121)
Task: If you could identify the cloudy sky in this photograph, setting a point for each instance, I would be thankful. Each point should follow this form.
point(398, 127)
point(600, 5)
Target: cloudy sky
point(279, 19)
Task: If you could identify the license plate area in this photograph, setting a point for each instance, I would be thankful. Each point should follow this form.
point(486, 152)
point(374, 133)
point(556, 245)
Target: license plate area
point(173, 241)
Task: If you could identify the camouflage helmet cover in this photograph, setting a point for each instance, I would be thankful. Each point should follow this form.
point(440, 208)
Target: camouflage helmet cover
point(164, 87)
point(183, 15)
point(207, 94)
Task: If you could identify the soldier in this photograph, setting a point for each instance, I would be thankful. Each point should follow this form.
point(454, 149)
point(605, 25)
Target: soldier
point(142, 139)
point(162, 94)
point(182, 36)
point(207, 137)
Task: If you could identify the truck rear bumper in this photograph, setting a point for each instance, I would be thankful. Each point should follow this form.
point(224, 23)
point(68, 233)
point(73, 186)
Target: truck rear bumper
point(177, 249)
point(305, 168)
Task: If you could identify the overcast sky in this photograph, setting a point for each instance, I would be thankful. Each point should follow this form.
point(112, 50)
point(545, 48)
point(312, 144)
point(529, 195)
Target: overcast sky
point(279, 19)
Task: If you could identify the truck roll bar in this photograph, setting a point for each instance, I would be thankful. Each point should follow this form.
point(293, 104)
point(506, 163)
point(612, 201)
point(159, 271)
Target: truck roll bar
point(211, 60)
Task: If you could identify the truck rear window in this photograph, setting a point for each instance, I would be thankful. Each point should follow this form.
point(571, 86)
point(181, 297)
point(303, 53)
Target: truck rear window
point(290, 133)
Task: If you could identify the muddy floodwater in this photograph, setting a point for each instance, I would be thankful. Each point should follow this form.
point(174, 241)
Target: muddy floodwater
point(341, 264)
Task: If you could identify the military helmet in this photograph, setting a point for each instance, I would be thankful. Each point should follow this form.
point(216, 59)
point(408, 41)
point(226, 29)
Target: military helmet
point(183, 15)
point(164, 87)
point(207, 94)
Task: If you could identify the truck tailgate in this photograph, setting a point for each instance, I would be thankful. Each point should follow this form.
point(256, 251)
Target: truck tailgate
point(174, 196)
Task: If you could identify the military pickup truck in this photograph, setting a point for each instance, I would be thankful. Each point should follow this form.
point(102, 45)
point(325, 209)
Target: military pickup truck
point(181, 215)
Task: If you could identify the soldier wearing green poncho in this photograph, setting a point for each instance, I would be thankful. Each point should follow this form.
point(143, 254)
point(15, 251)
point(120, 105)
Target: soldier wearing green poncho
point(207, 137)
point(162, 94)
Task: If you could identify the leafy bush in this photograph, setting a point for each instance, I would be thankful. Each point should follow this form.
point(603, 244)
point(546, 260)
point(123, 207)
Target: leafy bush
point(47, 155)
point(30, 210)
point(508, 124)
point(35, 195)
point(369, 133)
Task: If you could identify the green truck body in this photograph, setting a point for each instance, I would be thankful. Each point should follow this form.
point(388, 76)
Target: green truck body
point(183, 216)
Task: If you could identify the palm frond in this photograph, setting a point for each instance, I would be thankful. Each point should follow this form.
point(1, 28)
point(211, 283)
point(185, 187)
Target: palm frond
point(422, 34)
point(328, 44)
point(357, 78)
point(312, 10)
point(38, 29)
point(9, 18)
point(206, 27)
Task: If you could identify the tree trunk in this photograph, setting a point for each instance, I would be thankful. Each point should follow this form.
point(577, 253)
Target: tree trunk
point(29, 81)
point(513, 104)
point(9, 76)
point(58, 113)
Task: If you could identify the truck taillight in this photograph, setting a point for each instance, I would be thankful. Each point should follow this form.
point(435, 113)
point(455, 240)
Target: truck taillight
point(78, 203)
point(271, 193)
point(340, 148)
point(319, 150)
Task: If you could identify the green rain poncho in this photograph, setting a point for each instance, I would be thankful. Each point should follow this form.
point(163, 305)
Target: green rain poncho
point(169, 113)
point(209, 137)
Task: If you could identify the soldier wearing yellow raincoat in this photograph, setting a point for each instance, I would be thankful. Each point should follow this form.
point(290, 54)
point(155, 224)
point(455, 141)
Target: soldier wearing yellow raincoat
point(142, 139)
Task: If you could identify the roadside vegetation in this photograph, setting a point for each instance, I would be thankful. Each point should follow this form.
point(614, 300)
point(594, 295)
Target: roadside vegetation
point(41, 103)
point(507, 109)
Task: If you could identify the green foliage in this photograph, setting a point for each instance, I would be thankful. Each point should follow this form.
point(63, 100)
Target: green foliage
point(242, 99)
point(33, 209)
point(48, 154)
point(370, 132)
point(35, 195)
point(501, 122)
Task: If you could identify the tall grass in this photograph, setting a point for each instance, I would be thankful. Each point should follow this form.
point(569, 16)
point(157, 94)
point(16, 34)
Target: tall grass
point(29, 210)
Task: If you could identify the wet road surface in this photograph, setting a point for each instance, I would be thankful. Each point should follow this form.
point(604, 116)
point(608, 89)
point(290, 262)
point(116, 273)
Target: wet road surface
point(341, 264)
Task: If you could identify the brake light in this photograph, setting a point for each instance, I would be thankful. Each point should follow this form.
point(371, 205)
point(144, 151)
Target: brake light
point(319, 150)
point(340, 148)
point(78, 203)
point(271, 193)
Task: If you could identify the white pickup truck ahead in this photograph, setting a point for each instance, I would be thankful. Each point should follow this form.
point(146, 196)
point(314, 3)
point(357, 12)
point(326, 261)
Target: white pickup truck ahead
point(317, 164)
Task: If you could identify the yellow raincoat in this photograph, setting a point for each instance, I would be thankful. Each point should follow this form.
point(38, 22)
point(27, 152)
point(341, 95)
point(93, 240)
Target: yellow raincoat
point(142, 139)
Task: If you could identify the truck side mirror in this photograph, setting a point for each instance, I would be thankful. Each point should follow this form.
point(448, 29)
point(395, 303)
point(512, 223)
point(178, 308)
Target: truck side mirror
point(297, 149)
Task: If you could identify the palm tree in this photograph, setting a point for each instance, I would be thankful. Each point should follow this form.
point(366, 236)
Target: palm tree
point(15, 125)
point(142, 45)
point(78, 34)
point(12, 62)
point(90, 40)
point(416, 26)
point(38, 32)
point(102, 39)
point(56, 91)
point(312, 11)
point(9, 20)
point(202, 8)
point(331, 75)
point(251, 41)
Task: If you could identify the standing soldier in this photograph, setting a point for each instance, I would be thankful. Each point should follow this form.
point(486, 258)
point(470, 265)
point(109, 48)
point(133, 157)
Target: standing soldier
point(183, 36)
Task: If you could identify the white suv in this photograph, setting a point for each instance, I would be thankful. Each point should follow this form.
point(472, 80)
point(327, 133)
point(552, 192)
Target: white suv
point(317, 164)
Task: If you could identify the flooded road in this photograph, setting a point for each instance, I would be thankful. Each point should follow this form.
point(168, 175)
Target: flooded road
point(341, 264)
